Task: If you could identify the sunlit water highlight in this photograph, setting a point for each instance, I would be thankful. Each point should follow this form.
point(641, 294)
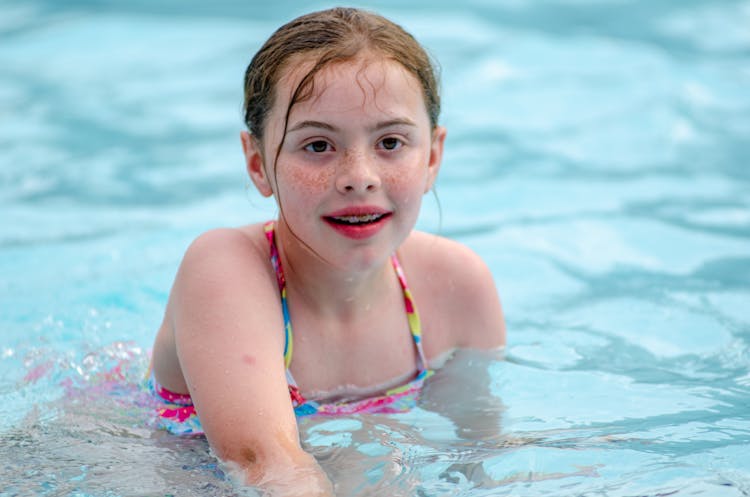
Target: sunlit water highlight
point(597, 159)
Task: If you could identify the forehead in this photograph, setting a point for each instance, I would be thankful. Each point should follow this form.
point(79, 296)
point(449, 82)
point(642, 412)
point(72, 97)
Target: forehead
point(365, 80)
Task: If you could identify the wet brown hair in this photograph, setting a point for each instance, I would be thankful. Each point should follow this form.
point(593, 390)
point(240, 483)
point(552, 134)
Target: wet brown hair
point(331, 36)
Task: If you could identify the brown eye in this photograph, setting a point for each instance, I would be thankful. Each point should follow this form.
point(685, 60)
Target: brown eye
point(390, 143)
point(318, 146)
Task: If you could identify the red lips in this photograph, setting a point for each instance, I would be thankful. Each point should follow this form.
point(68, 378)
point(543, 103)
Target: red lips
point(358, 222)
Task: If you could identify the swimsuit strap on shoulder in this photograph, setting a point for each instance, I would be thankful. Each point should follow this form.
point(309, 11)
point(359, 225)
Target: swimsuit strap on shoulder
point(276, 262)
point(415, 325)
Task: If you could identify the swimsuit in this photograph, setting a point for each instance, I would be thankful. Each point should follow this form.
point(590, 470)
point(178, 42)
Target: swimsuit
point(177, 414)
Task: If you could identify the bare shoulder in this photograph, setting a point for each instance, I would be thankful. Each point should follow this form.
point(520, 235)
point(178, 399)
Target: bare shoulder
point(225, 256)
point(224, 271)
point(455, 291)
point(222, 244)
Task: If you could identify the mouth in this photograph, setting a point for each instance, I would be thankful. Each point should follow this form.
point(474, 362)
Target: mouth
point(358, 223)
point(356, 220)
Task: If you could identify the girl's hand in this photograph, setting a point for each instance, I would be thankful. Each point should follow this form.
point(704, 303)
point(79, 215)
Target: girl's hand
point(300, 477)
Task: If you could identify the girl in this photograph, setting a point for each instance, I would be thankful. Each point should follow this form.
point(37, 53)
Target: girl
point(341, 108)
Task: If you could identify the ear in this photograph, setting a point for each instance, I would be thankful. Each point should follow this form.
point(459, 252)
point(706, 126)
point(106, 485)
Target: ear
point(436, 156)
point(254, 163)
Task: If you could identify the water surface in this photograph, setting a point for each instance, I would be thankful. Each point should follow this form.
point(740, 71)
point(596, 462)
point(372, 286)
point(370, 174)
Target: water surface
point(597, 159)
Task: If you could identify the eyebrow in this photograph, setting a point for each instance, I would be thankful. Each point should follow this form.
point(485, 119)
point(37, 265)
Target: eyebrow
point(401, 121)
point(329, 127)
point(312, 124)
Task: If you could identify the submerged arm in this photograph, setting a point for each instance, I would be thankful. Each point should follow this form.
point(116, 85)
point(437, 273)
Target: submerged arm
point(461, 392)
point(471, 318)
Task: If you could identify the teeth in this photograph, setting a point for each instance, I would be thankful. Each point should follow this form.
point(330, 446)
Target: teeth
point(366, 218)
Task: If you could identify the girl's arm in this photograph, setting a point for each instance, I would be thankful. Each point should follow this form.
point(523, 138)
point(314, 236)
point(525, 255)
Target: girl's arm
point(228, 329)
point(461, 392)
point(464, 312)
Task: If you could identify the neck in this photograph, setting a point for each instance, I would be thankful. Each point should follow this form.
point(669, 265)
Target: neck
point(324, 286)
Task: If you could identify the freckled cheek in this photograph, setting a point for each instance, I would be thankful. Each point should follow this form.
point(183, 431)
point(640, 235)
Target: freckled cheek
point(405, 183)
point(304, 180)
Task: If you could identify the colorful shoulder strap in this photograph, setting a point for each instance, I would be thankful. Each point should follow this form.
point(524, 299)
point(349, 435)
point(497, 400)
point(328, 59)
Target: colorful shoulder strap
point(276, 262)
point(415, 326)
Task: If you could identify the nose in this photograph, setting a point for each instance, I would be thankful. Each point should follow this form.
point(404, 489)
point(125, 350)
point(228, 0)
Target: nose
point(357, 173)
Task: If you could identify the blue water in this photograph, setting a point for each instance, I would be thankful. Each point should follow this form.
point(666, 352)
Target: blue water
point(597, 159)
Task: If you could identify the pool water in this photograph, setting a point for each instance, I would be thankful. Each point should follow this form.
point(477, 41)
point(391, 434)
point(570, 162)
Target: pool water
point(597, 159)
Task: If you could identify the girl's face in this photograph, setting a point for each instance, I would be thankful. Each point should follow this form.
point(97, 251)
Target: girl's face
point(357, 158)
